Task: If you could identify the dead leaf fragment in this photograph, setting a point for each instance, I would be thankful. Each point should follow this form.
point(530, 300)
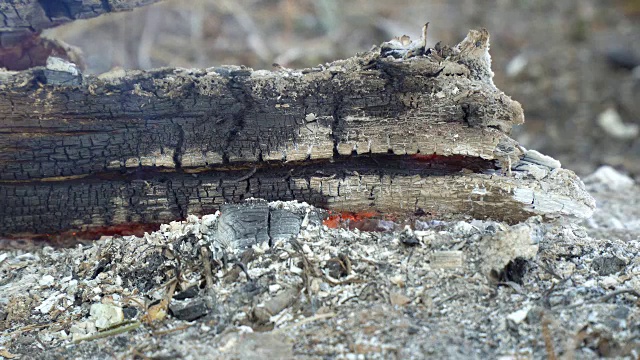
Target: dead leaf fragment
point(5, 353)
point(398, 299)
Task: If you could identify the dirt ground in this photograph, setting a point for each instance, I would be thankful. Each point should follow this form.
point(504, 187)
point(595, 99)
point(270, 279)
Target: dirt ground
point(473, 289)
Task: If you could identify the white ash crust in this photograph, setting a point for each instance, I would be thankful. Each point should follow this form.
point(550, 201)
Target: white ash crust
point(59, 64)
point(555, 191)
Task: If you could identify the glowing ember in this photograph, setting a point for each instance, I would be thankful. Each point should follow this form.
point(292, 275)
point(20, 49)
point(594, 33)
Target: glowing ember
point(347, 218)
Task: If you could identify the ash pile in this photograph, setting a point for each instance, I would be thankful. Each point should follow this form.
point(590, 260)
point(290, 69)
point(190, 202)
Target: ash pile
point(286, 280)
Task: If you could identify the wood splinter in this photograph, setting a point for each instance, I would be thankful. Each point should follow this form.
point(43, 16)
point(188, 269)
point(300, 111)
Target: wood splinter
point(399, 129)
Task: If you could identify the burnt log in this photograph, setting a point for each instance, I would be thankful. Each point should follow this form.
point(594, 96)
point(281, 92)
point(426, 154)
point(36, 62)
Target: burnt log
point(399, 129)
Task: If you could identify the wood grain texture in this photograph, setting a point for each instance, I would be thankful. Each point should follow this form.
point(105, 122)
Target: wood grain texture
point(153, 146)
point(196, 118)
point(354, 185)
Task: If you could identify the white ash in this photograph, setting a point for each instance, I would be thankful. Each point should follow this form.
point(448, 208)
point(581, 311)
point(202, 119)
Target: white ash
point(332, 292)
point(607, 178)
point(59, 64)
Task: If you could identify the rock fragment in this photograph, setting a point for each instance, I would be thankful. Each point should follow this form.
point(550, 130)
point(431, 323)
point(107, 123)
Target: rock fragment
point(518, 316)
point(187, 294)
point(256, 346)
point(105, 315)
point(80, 330)
point(508, 244)
point(399, 299)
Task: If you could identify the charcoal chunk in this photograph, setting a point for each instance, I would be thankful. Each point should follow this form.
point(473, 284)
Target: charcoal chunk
point(188, 310)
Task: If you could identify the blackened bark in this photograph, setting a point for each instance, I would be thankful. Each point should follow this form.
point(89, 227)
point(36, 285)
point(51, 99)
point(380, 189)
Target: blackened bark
point(152, 146)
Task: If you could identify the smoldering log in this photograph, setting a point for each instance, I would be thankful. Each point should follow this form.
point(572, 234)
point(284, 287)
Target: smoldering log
point(355, 185)
point(399, 129)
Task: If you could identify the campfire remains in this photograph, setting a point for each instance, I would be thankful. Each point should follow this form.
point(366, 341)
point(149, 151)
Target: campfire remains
point(471, 253)
point(401, 129)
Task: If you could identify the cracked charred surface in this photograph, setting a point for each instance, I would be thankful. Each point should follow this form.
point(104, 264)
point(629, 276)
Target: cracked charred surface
point(191, 118)
point(385, 183)
point(153, 146)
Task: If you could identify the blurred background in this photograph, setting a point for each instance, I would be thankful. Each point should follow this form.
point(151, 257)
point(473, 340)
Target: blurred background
point(572, 64)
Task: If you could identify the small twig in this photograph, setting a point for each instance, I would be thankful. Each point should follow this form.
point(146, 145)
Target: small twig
point(548, 341)
point(169, 331)
point(609, 296)
point(452, 297)
point(308, 269)
point(349, 298)
point(551, 272)
point(370, 261)
point(246, 22)
point(38, 326)
point(605, 298)
point(547, 293)
point(409, 258)
point(112, 332)
point(159, 310)
point(42, 345)
point(343, 282)
point(117, 325)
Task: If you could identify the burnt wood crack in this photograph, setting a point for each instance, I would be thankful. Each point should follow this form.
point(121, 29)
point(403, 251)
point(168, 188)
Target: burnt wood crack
point(396, 130)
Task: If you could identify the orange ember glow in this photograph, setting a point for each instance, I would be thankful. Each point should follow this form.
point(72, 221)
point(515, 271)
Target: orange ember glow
point(425, 158)
point(122, 229)
point(92, 233)
point(335, 221)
